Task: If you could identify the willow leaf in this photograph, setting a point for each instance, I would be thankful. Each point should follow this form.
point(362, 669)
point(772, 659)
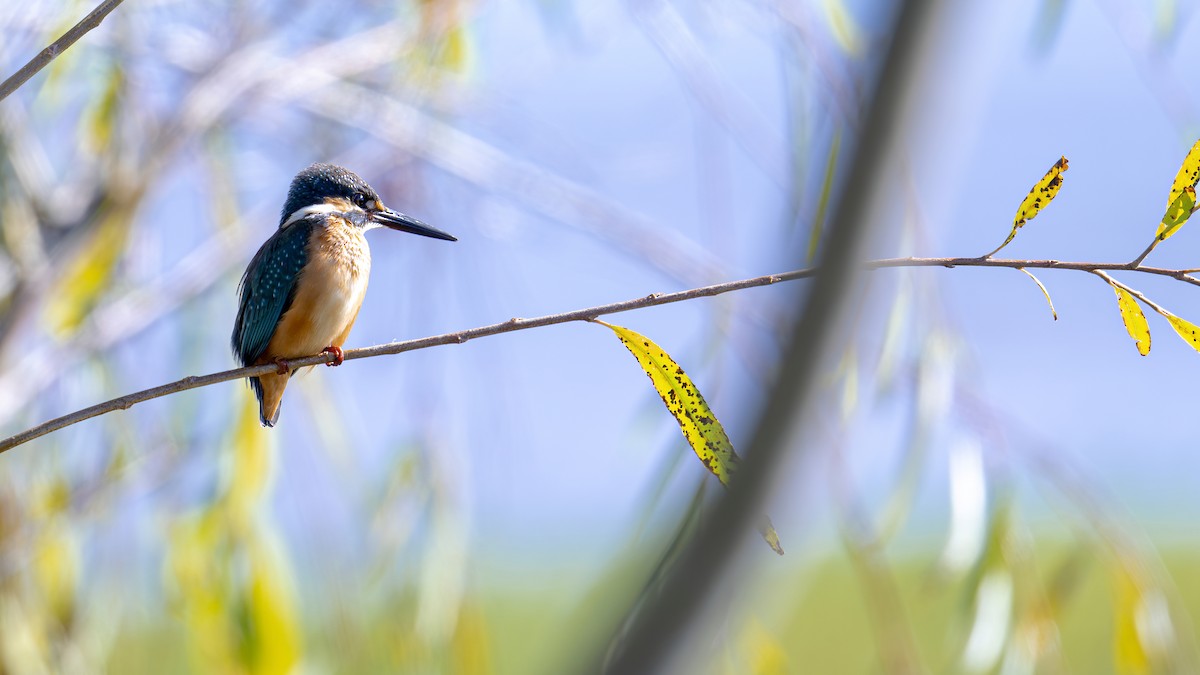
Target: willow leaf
point(1041, 194)
point(699, 425)
point(1134, 319)
point(1129, 653)
point(88, 274)
point(272, 643)
point(1187, 330)
point(1053, 312)
point(818, 225)
point(1177, 213)
point(1188, 174)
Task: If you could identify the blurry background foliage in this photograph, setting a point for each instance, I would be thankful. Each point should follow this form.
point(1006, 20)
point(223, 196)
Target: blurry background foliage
point(992, 491)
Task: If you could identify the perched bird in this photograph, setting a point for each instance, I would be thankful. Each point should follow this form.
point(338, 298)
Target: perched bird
point(303, 289)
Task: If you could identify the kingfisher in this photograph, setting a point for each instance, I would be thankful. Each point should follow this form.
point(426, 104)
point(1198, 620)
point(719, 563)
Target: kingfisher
point(302, 291)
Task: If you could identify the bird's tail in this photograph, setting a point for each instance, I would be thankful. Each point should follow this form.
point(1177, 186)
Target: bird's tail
point(268, 389)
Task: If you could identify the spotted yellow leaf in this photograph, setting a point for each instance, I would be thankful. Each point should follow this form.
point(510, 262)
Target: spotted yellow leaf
point(700, 426)
point(1135, 320)
point(1186, 329)
point(1188, 174)
point(1039, 196)
point(1177, 213)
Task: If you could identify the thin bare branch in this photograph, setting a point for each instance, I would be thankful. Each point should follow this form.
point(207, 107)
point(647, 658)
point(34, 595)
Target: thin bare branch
point(459, 337)
point(1181, 275)
point(1132, 291)
point(57, 47)
point(587, 314)
point(1138, 260)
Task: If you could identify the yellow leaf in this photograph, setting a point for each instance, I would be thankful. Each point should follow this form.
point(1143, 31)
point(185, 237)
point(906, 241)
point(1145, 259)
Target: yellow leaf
point(101, 120)
point(56, 568)
point(845, 29)
point(1188, 174)
point(762, 652)
point(274, 636)
point(88, 274)
point(444, 40)
point(1135, 320)
point(1186, 329)
point(1177, 213)
point(250, 464)
point(1041, 194)
point(197, 573)
point(52, 498)
point(1129, 654)
point(700, 426)
point(470, 649)
point(456, 50)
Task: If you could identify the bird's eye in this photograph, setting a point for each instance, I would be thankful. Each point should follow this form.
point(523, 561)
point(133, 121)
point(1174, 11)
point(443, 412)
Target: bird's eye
point(360, 200)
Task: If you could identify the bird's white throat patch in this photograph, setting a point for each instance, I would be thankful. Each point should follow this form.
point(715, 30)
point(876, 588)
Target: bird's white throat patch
point(301, 214)
point(360, 219)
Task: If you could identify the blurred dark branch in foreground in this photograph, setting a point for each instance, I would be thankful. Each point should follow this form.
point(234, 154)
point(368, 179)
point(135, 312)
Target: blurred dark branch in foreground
point(57, 47)
point(587, 314)
point(659, 629)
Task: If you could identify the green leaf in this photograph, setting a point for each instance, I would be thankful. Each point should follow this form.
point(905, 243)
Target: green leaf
point(818, 226)
point(1177, 213)
point(696, 419)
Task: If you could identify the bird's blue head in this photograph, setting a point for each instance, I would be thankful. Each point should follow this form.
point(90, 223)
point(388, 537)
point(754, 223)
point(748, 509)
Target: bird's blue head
point(328, 185)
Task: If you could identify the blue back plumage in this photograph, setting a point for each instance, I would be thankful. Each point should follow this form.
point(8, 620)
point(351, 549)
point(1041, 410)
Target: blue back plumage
point(267, 289)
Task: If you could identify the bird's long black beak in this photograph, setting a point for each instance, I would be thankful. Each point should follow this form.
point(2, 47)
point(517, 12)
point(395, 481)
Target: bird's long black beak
point(399, 221)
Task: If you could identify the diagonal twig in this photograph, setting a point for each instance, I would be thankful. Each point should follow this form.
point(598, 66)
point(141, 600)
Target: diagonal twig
point(57, 47)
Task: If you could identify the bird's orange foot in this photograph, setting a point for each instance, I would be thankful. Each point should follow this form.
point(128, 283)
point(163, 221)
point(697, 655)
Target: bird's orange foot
point(338, 355)
point(282, 367)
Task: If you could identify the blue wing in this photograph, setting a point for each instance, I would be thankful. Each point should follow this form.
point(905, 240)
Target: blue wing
point(267, 289)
